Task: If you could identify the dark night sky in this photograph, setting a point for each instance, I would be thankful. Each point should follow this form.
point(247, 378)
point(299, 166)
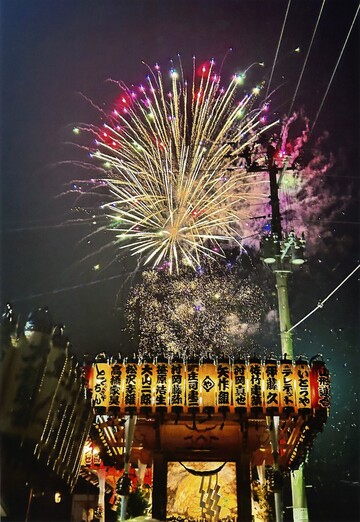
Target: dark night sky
point(51, 51)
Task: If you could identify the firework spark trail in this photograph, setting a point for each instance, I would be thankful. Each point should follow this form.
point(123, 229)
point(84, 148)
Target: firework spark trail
point(210, 312)
point(172, 160)
point(176, 176)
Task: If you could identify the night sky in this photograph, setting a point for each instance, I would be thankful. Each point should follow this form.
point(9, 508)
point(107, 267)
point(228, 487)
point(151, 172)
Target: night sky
point(51, 52)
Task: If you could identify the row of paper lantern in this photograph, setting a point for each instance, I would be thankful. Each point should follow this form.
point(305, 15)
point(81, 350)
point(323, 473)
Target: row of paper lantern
point(241, 387)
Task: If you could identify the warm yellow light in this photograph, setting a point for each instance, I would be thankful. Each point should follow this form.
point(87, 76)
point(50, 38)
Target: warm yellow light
point(57, 498)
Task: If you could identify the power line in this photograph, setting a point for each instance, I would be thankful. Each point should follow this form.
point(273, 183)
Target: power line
point(335, 69)
point(45, 227)
point(321, 303)
point(278, 47)
point(307, 56)
point(68, 288)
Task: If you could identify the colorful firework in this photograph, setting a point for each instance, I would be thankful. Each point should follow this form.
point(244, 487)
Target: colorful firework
point(182, 173)
point(172, 161)
point(202, 313)
point(308, 201)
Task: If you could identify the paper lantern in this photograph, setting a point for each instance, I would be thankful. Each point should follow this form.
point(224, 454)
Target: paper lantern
point(271, 387)
point(320, 387)
point(115, 387)
point(177, 387)
point(286, 386)
point(255, 385)
point(302, 386)
point(192, 386)
point(223, 400)
point(162, 378)
point(132, 387)
point(88, 375)
point(101, 387)
point(239, 386)
point(207, 386)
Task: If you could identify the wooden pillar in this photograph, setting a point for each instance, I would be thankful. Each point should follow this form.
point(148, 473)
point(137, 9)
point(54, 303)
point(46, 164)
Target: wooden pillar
point(159, 487)
point(243, 488)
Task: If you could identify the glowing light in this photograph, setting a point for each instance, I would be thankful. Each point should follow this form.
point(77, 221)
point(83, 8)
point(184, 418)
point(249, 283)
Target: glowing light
point(173, 173)
point(76, 130)
point(240, 113)
point(239, 78)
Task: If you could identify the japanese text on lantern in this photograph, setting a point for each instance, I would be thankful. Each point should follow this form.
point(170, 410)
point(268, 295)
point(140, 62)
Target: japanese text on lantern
point(130, 385)
point(101, 385)
point(240, 386)
point(271, 386)
point(193, 385)
point(255, 385)
point(302, 376)
point(287, 386)
point(177, 385)
point(146, 379)
point(161, 385)
point(324, 387)
point(223, 382)
point(115, 386)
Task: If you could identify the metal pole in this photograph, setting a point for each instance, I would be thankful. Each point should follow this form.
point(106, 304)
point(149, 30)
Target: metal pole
point(300, 511)
point(284, 313)
point(278, 496)
point(123, 507)
point(130, 424)
point(281, 278)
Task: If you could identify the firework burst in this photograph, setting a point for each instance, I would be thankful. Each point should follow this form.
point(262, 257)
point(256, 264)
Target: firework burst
point(204, 313)
point(171, 156)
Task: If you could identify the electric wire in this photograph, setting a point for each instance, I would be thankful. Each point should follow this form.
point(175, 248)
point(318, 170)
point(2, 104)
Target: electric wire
point(278, 47)
point(68, 288)
point(321, 303)
point(307, 56)
point(335, 69)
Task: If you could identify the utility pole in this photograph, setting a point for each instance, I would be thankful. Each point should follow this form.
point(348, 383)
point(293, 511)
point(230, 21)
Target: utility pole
point(280, 254)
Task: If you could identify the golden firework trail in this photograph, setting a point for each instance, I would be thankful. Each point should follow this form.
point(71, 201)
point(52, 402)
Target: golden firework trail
point(178, 187)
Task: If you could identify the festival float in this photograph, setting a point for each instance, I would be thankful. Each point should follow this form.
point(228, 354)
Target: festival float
point(211, 432)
